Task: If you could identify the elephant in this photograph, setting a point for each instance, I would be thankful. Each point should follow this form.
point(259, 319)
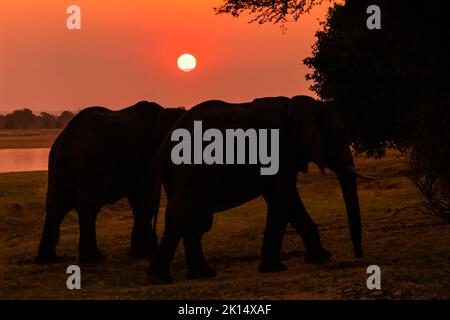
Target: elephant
point(309, 131)
point(100, 157)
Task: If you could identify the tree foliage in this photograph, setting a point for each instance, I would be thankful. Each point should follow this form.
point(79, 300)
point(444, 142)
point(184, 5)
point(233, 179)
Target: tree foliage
point(379, 79)
point(276, 11)
point(25, 119)
point(390, 86)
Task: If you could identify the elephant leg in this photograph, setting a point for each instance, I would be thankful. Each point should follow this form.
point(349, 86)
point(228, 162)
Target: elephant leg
point(88, 250)
point(301, 221)
point(143, 242)
point(159, 272)
point(56, 211)
point(49, 239)
point(47, 246)
point(198, 268)
point(276, 224)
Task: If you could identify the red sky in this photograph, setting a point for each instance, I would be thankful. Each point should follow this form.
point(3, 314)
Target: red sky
point(126, 51)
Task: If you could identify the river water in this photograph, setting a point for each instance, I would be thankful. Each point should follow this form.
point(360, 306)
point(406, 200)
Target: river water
point(19, 160)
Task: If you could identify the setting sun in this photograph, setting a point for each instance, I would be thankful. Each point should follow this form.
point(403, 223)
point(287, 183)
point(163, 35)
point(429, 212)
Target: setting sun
point(187, 62)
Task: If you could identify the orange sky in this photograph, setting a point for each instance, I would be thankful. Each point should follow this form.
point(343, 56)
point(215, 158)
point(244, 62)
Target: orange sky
point(126, 51)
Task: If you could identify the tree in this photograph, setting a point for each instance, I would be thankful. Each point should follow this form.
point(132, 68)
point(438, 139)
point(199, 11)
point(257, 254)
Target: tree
point(379, 79)
point(9, 123)
point(389, 86)
point(23, 118)
point(47, 120)
point(65, 117)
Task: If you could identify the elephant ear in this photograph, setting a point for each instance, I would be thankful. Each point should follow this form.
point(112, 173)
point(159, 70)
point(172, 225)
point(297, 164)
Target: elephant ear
point(303, 115)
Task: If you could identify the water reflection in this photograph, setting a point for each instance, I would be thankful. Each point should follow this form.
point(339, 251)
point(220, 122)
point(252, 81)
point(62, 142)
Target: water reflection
point(17, 160)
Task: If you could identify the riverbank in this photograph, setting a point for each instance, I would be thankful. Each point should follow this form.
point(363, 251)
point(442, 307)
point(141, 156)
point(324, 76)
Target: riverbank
point(410, 248)
point(27, 138)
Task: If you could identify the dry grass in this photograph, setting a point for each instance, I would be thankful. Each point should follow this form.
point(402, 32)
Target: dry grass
point(27, 138)
point(411, 249)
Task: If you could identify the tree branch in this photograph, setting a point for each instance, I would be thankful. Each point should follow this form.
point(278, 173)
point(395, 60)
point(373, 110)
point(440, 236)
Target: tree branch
point(272, 11)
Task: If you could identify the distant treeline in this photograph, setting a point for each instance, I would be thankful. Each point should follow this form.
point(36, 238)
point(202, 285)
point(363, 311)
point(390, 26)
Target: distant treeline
point(25, 119)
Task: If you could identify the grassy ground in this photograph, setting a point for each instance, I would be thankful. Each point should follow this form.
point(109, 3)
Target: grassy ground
point(411, 249)
point(27, 138)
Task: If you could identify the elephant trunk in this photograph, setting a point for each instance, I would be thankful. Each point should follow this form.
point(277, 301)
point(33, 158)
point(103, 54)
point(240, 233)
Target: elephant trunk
point(347, 181)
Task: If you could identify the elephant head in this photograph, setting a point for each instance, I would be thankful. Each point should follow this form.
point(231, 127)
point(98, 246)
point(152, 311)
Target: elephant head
point(321, 138)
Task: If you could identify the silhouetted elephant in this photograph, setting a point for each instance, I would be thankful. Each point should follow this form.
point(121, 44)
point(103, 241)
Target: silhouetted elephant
point(309, 131)
point(99, 158)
